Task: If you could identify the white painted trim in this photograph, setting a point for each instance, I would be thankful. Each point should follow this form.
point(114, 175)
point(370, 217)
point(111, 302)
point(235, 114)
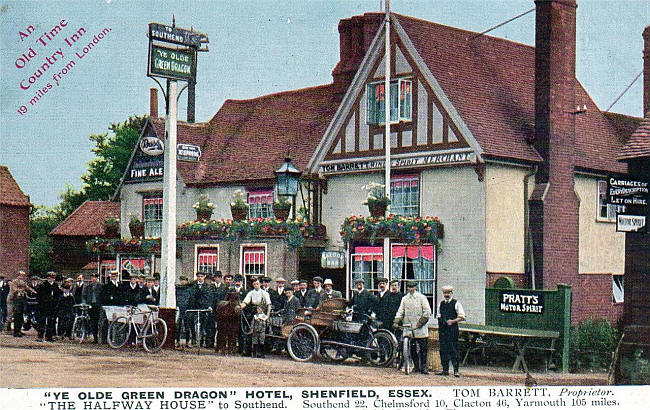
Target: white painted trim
point(398, 156)
point(196, 255)
point(241, 258)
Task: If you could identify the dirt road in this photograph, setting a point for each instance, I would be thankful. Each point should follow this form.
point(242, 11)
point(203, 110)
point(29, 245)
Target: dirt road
point(27, 363)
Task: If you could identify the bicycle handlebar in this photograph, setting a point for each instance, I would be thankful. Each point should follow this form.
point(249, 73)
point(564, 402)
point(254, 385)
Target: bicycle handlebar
point(199, 310)
point(82, 305)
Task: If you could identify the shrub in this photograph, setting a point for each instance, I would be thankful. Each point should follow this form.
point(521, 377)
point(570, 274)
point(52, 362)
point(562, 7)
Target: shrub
point(591, 345)
point(636, 370)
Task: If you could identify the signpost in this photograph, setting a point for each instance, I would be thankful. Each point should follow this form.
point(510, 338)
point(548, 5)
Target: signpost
point(172, 55)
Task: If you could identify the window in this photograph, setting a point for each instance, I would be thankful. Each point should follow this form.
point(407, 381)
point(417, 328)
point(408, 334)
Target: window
point(606, 212)
point(405, 195)
point(617, 288)
point(414, 263)
point(153, 214)
point(253, 262)
point(400, 101)
point(207, 259)
point(105, 268)
point(367, 264)
point(260, 204)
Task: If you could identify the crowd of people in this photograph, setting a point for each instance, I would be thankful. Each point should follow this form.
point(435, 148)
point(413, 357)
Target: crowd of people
point(49, 306)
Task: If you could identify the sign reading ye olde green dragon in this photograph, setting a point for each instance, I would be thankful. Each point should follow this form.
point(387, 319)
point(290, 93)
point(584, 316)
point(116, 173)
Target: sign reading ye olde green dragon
point(171, 63)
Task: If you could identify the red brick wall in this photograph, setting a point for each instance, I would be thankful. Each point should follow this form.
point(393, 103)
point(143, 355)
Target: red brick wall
point(518, 278)
point(592, 298)
point(14, 240)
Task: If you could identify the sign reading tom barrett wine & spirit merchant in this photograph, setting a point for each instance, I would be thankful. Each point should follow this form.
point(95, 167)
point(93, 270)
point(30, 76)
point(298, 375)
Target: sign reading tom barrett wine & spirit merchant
point(171, 63)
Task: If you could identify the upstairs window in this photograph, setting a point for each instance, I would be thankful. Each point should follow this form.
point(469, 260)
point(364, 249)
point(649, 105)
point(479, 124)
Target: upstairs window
point(260, 204)
point(400, 101)
point(153, 215)
point(207, 259)
point(253, 262)
point(606, 212)
point(405, 195)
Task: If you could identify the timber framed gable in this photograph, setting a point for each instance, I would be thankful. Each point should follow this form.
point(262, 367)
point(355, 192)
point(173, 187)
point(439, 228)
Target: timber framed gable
point(426, 130)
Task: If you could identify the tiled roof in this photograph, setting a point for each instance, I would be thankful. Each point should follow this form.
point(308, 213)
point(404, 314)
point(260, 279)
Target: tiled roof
point(491, 82)
point(639, 143)
point(10, 192)
point(247, 140)
point(88, 219)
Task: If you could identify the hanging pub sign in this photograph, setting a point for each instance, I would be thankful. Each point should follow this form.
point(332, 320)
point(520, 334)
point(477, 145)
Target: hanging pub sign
point(630, 195)
point(176, 64)
point(332, 260)
point(521, 301)
point(152, 146)
point(188, 152)
point(168, 34)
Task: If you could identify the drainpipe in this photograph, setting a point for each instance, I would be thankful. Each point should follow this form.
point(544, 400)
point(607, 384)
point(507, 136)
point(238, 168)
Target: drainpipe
point(529, 260)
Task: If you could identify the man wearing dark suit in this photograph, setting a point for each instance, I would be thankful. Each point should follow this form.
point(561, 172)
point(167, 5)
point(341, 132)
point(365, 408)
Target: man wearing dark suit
point(363, 302)
point(291, 306)
point(312, 299)
point(112, 292)
point(301, 294)
point(91, 294)
point(203, 298)
point(151, 296)
point(131, 291)
point(4, 292)
point(220, 288)
point(388, 302)
point(77, 288)
point(330, 292)
point(277, 295)
point(48, 294)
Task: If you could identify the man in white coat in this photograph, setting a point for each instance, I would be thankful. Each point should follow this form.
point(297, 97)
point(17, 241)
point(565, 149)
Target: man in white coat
point(414, 310)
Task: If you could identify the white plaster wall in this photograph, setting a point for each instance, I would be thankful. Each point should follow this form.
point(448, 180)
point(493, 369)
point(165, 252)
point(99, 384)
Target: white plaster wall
point(601, 249)
point(504, 190)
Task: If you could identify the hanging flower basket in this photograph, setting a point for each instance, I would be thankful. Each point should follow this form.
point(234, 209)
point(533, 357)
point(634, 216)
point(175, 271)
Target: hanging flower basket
point(137, 229)
point(112, 227)
point(204, 215)
point(281, 209)
point(238, 214)
point(377, 210)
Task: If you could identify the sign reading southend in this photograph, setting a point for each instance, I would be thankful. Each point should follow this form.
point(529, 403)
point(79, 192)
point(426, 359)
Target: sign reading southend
point(163, 32)
point(171, 63)
point(521, 301)
point(415, 161)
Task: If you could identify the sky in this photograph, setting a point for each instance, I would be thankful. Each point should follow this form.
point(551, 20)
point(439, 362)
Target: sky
point(256, 48)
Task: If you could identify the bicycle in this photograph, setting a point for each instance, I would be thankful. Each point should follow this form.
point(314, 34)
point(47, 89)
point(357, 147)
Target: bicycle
point(81, 324)
point(197, 325)
point(152, 331)
point(406, 362)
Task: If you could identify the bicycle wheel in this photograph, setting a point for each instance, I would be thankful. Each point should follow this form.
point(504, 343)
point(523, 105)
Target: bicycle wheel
point(199, 336)
point(246, 327)
point(383, 343)
point(406, 355)
point(119, 332)
point(155, 336)
point(79, 328)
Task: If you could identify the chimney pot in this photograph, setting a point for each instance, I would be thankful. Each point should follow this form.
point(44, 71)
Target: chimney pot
point(153, 102)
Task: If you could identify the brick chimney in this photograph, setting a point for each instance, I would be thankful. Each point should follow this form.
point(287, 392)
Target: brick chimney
point(153, 102)
point(554, 204)
point(646, 71)
point(355, 35)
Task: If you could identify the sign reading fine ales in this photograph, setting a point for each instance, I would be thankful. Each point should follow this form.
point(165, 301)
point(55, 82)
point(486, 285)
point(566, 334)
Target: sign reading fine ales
point(521, 301)
point(171, 63)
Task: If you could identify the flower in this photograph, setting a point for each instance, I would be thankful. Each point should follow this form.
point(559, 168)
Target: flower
point(203, 204)
point(376, 194)
point(239, 200)
point(405, 229)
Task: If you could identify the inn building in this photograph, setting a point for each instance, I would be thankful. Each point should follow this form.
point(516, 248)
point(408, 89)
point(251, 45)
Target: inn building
point(496, 141)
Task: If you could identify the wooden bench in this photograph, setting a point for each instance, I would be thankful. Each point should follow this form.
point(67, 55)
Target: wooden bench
point(515, 341)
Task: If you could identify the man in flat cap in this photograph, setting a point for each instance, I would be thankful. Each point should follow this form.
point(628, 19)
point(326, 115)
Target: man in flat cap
point(301, 294)
point(48, 296)
point(202, 298)
point(363, 302)
point(312, 298)
point(414, 310)
point(450, 312)
point(278, 298)
point(91, 294)
point(388, 301)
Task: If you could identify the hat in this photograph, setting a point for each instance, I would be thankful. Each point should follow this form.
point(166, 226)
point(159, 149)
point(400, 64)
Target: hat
point(149, 278)
point(227, 275)
point(328, 281)
point(209, 276)
point(69, 279)
point(280, 279)
point(113, 272)
point(359, 280)
point(21, 272)
point(265, 279)
point(200, 273)
point(447, 289)
point(394, 281)
point(288, 289)
point(384, 280)
point(238, 278)
point(94, 275)
point(411, 284)
point(303, 281)
point(317, 279)
point(218, 274)
point(53, 274)
point(142, 275)
point(295, 282)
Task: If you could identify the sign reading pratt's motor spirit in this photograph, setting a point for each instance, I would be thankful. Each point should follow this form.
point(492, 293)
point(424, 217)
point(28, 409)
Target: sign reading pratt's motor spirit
point(171, 63)
point(521, 301)
point(414, 161)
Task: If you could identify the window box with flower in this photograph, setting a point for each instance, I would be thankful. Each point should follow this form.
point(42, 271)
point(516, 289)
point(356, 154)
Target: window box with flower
point(203, 208)
point(281, 209)
point(239, 206)
point(376, 200)
point(405, 229)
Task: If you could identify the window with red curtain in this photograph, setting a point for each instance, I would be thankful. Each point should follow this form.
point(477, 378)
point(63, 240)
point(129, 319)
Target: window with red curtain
point(405, 194)
point(253, 261)
point(153, 213)
point(207, 259)
point(367, 264)
point(260, 203)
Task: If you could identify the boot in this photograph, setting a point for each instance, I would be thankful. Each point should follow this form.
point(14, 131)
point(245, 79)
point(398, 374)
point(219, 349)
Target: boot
point(260, 351)
point(254, 351)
